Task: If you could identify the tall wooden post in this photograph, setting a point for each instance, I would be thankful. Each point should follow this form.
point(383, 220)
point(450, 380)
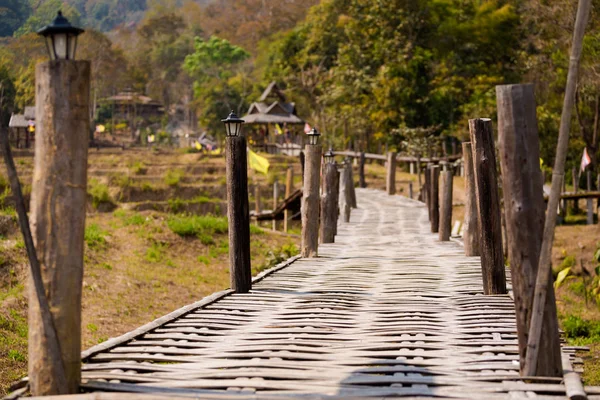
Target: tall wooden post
point(329, 207)
point(257, 200)
point(470, 224)
point(434, 201)
point(410, 190)
point(524, 215)
point(575, 189)
point(350, 180)
point(238, 214)
point(488, 206)
point(289, 183)
point(336, 192)
point(589, 201)
point(446, 208)
point(390, 180)
point(419, 170)
point(361, 171)
point(58, 205)
point(427, 190)
point(275, 200)
point(310, 201)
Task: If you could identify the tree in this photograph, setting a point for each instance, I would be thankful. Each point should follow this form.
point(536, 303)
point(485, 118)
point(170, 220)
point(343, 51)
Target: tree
point(215, 66)
point(45, 13)
point(12, 14)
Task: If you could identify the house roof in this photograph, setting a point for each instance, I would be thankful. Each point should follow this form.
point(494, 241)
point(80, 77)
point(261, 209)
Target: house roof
point(18, 121)
point(277, 111)
point(131, 97)
point(29, 112)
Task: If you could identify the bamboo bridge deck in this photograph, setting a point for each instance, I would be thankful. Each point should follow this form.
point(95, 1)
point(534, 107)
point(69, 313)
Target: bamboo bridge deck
point(386, 311)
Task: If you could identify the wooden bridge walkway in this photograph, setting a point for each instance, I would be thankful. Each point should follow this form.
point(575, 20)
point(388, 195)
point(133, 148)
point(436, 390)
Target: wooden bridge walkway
point(388, 310)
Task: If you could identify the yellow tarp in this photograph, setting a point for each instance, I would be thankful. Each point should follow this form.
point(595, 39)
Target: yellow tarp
point(258, 163)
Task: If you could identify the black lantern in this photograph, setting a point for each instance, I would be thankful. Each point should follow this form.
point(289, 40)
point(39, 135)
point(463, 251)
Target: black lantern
point(313, 136)
point(329, 156)
point(233, 124)
point(61, 38)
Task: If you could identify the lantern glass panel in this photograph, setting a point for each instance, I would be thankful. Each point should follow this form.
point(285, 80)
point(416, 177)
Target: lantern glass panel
point(60, 46)
point(72, 46)
point(50, 47)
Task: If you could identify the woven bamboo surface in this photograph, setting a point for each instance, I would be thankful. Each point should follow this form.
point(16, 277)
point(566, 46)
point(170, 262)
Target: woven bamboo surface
point(388, 310)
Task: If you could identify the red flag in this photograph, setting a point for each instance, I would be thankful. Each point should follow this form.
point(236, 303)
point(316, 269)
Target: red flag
point(585, 160)
point(307, 127)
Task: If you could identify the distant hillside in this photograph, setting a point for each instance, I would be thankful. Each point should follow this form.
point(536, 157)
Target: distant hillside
point(18, 17)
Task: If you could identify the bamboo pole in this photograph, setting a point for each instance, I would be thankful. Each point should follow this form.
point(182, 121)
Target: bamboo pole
point(544, 269)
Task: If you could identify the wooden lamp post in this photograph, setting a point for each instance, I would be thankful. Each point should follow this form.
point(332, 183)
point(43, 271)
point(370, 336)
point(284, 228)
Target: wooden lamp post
point(238, 213)
point(58, 205)
point(310, 195)
point(329, 207)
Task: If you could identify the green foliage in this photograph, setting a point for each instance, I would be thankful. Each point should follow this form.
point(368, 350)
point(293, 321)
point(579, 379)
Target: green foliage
point(12, 14)
point(139, 168)
point(173, 177)
point(580, 330)
point(99, 193)
point(45, 13)
point(95, 237)
point(204, 227)
point(214, 65)
point(155, 252)
point(562, 275)
point(277, 256)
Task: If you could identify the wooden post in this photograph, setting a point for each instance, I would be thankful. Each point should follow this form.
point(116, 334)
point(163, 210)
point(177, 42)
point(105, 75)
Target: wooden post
point(427, 189)
point(410, 190)
point(329, 207)
point(345, 192)
point(524, 216)
point(575, 189)
point(361, 171)
point(289, 183)
point(419, 171)
point(302, 162)
point(336, 192)
point(257, 200)
point(310, 201)
point(350, 181)
point(58, 206)
point(488, 206)
point(434, 201)
point(544, 274)
point(446, 208)
point(470, 224)
point(411, 168)
point(238, 214)
point(275, 200)
point(390, 180)
point(590, 201)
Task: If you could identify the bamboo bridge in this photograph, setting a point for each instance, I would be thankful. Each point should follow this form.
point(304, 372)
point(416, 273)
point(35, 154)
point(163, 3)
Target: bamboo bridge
point(386, 311)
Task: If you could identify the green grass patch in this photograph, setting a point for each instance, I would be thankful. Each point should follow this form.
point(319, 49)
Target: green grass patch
point(155, 253)
point(99, 193)
point(200, 226)
point(95, 237)
point(579, 331)
point(138, 168)
point(173, 177)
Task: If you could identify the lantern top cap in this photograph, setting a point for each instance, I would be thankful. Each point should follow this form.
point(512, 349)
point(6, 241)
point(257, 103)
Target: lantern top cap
point(232, 118)
point(329, 153)
point(60, 25)
point(314, 132)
